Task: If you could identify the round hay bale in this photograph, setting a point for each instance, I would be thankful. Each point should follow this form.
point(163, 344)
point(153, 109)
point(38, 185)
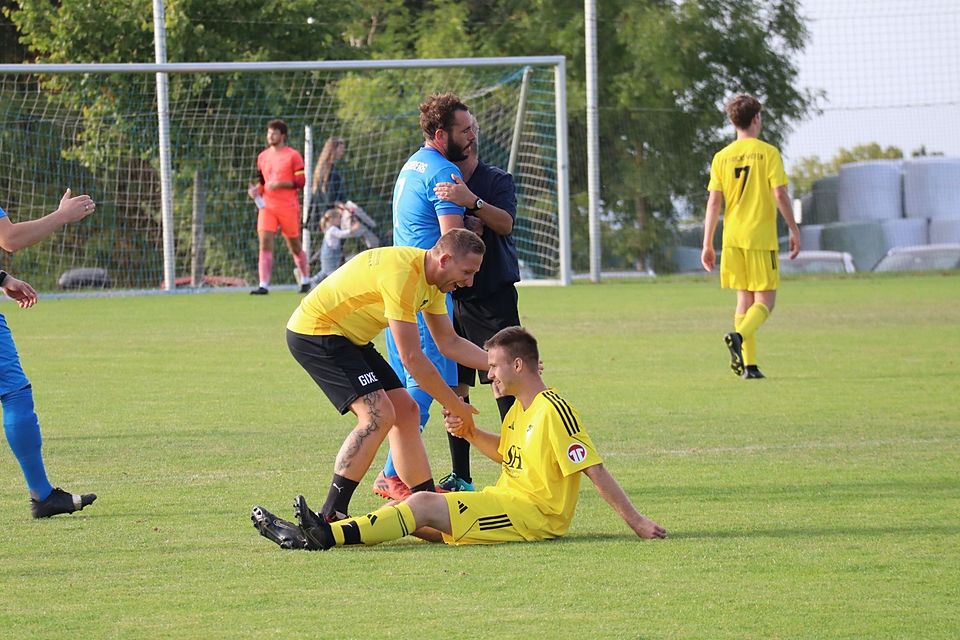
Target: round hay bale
point(930, 187)
point(870, 190)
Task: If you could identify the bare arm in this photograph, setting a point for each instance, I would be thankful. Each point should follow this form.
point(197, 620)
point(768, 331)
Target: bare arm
point(495, 218)
point(407, 338)
point(488, 443)
point(453, 346)
point(450, 221)
point(786, 210)
point(16, 236)
point(708, 257)
point(611, 491)
point(500, 221)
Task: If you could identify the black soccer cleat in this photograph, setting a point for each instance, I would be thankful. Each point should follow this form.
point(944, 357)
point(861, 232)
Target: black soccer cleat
point(752, 372)
point(59, 501)
point(734, 342)
point(305, 288)
point(282, 532)
point(315, 528)
point(260, 291)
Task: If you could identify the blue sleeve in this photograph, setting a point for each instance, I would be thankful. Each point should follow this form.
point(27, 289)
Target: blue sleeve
point(444, 207)
point(3, 214)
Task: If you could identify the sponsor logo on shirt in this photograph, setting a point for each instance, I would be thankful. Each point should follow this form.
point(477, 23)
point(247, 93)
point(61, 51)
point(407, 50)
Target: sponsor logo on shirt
point(576, 452)
point(514, 459)
point(415, 165)
point(367, 378)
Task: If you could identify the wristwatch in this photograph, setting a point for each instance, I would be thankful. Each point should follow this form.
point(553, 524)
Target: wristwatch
point(477, 205)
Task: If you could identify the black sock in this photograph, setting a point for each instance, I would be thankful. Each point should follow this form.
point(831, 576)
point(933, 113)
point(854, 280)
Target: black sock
point(424, 486)
point(503, 404)
point(460, 453)
point(338, 497)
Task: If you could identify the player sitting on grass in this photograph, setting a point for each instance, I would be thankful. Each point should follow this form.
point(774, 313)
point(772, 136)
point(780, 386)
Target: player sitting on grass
point(542, 449)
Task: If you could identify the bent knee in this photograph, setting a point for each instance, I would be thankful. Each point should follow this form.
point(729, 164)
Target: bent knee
point(375, 406)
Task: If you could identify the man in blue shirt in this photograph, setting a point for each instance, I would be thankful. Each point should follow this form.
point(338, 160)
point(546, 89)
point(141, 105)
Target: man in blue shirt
point(20, 422)
point(480, 311)
point(420, 217)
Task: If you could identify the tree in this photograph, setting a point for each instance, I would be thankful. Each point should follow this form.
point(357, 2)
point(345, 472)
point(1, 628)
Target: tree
point(666, 67)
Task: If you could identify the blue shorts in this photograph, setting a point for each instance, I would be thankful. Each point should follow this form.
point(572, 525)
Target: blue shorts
point(12, 377)
point(446, 367)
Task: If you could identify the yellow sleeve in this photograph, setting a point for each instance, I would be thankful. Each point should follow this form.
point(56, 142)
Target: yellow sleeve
point(715, 184)
point(572, 447)
point(777, 175)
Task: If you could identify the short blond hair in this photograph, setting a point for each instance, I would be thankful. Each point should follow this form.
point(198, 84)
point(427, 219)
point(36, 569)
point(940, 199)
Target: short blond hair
point(460, 243)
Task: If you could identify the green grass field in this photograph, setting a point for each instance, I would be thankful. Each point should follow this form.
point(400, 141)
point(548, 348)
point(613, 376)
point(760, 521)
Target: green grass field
point(822, 502)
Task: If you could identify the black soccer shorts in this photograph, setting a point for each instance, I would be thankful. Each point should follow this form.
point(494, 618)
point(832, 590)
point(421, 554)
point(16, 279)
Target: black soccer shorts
point(342, 370)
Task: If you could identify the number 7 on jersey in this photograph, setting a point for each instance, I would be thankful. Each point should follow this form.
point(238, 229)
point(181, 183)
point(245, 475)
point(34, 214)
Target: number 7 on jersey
point(737, 171)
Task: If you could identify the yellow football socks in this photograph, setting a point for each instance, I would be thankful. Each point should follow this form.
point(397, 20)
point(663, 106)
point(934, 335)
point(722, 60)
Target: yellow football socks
point(747, 326)
point(386, 523)
point(749, 346)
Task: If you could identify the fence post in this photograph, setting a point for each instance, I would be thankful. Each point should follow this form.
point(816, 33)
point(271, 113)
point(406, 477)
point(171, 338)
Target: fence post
point(197, 245)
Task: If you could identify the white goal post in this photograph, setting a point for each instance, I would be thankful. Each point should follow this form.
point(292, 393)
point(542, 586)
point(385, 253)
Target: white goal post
point(88, 124)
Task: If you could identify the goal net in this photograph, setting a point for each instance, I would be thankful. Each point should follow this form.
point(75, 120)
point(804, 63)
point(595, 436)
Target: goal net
point(94, 128)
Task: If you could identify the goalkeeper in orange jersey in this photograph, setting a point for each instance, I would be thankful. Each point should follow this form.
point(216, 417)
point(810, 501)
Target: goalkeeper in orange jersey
point(542, 449)
point(281, 175)
point(747, 178)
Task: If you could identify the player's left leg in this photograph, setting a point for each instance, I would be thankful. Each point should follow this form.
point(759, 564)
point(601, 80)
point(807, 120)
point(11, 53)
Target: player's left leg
point(265, 257)
point(763, 276)
point(290, 228)
point(389, 522)
point(22, 430)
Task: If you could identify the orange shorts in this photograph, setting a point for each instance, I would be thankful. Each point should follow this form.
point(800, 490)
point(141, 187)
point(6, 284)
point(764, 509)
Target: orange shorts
point(287, 220)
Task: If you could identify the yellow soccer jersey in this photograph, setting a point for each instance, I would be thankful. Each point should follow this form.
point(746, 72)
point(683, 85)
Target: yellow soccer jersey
point(747, 171)
point(358, 299)
point(544, 448)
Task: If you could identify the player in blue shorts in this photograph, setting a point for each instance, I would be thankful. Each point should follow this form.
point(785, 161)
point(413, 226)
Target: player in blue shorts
point(20, 423)
point(420, 217)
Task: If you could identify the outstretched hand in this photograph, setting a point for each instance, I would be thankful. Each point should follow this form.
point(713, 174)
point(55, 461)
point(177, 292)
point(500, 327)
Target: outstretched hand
point(75, 208)
point(458, 425)
point(20, 291)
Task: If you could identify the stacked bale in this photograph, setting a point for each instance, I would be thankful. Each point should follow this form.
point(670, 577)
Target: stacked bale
point(931, 190)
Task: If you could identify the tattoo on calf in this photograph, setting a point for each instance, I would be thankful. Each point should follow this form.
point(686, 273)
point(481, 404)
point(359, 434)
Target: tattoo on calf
point(352, 445)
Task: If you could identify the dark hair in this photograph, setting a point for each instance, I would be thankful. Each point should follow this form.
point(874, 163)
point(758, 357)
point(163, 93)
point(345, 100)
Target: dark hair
point(279, 125)
point(742, 109)
point(518, 343)
point(438, 111)
point(459, 243)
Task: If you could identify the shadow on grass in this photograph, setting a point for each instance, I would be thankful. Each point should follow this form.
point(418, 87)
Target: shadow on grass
point(794, 532)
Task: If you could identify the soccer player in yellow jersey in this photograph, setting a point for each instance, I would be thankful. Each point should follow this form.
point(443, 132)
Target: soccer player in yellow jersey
point(542, 449)
point(330, 334)
point(748, 180)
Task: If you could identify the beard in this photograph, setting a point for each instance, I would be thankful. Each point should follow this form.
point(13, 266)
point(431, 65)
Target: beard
point(455, 153)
